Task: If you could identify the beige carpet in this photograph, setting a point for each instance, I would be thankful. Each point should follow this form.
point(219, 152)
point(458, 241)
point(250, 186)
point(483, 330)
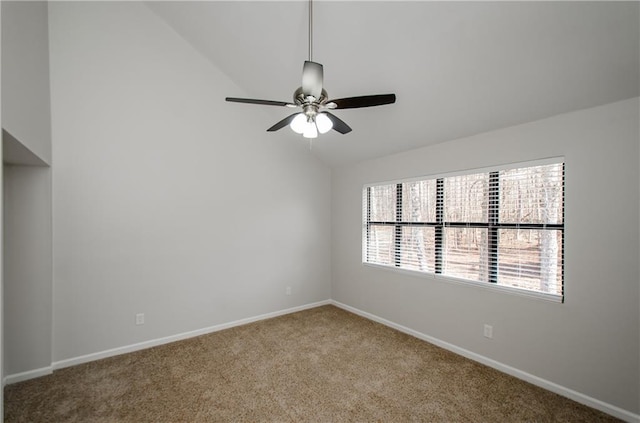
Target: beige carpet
point(321, 365)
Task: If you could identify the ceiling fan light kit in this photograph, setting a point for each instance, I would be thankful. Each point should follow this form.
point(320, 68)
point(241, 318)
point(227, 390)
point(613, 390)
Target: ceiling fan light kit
point(312, 98)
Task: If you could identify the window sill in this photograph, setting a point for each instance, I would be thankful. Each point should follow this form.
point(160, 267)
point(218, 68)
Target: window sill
point(482, 285)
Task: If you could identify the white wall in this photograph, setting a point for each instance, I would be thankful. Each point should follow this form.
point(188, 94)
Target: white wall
point(164, 203)
point(25, 75)
point(27, 268)
point(589, 344)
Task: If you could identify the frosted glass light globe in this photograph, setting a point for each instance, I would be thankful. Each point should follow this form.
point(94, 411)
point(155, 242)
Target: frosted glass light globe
point(310, 131)
point(324, 123)
point(299, 123)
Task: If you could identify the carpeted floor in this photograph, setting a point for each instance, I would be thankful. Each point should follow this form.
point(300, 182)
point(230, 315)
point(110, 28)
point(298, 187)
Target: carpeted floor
point(320, 365)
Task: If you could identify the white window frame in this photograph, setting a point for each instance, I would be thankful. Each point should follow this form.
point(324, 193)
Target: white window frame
point(448, 278)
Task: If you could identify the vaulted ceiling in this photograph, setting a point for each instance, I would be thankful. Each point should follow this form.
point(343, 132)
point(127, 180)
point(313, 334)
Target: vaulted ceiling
point(457, 68)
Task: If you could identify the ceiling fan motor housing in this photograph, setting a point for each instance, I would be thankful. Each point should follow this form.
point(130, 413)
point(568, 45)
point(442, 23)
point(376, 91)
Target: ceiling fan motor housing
point(310, 105)
point(300, 99)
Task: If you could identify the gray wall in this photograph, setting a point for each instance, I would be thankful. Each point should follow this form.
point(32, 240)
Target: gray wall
point(25, 75)
point(27, 268)
point(589, 344)
point(1, 260)
point(163, 203)
point(27, 280)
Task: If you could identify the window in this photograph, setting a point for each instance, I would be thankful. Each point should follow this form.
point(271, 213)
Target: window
point(504, 227)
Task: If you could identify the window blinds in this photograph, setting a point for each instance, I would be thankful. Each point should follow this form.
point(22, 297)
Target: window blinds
point(504, 227)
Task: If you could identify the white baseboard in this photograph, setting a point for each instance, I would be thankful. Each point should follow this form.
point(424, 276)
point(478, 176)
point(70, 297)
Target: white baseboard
point(543, 383)
point(155, 342)
point(535, 380)
point(19, 377)
point(30, 374)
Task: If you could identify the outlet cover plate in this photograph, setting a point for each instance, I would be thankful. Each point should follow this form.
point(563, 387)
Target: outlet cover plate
point(488, 331)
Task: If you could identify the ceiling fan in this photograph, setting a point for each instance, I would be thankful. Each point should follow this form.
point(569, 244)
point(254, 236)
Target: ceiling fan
point(312, 98)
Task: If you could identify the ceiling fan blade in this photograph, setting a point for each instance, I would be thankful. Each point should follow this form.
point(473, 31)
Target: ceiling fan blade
point(363, 101)
point(338, 124)
point(312, 74)
point(261, 102)
point(284, 122)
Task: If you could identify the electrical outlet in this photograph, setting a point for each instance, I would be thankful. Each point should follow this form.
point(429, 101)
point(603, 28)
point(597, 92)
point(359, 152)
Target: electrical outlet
point(288, 291)
point(488, 331)
point(140, 319)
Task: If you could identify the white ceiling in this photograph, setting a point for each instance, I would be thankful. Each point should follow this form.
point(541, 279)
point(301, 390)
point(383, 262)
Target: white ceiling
point(457, 68)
